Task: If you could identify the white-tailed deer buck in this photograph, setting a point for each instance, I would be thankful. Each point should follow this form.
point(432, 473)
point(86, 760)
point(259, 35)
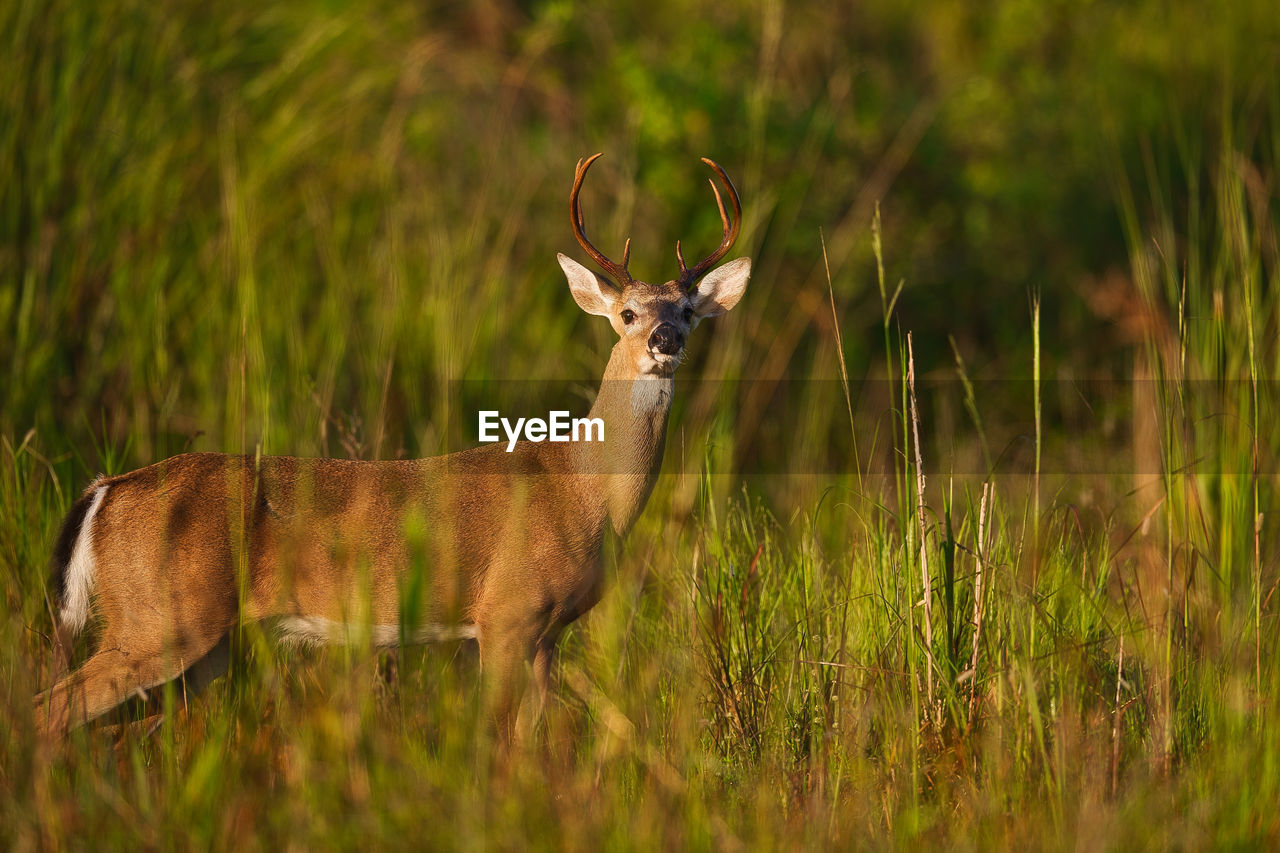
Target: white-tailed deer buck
point(502, 547)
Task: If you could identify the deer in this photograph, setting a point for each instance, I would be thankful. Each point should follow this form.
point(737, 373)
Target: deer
point(504, 548)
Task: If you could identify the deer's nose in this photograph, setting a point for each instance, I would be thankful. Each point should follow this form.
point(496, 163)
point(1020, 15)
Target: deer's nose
point(666, 339)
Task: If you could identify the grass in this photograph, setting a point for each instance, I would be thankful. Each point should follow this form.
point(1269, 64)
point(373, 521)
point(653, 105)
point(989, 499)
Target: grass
point(889, 590)
point(751, 679)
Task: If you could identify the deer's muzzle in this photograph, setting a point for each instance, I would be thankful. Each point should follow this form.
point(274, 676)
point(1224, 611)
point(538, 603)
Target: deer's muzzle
point(666, 339)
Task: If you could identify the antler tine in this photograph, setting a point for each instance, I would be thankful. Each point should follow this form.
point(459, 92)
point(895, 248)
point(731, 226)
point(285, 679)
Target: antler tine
point(618, 272)
point(731, 229)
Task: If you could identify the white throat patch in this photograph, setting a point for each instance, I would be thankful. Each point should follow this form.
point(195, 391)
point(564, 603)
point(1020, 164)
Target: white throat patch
point(651, 392)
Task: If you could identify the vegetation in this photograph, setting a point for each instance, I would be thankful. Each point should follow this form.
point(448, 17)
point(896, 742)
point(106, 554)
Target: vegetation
point(967, 532)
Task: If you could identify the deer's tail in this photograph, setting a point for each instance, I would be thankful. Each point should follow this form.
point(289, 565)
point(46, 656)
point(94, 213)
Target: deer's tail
point(74, 562)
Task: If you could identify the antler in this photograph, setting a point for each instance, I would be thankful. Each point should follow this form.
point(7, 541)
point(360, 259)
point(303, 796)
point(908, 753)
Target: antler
point(619, 272)
point(689, 276)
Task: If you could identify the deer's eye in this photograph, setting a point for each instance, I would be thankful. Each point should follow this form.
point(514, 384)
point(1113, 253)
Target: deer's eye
point(628, 316)
point(688, 313)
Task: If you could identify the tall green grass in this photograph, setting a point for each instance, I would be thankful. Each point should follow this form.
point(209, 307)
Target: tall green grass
point(324, 231)
point(752, 679)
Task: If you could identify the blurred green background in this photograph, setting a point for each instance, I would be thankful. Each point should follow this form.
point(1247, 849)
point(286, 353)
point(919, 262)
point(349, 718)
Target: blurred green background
point(251, 220)
point(328, 229)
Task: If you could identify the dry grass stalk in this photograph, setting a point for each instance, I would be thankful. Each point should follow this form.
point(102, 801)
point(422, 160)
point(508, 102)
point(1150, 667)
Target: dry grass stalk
point(977, 596)
point(920, 511)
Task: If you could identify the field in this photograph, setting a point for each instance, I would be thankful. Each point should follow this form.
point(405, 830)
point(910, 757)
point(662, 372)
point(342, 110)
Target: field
point(967, 527)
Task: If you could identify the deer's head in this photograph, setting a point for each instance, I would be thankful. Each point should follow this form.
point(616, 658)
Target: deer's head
point(654, 320)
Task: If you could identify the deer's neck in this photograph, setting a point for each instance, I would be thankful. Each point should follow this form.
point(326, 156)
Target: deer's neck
point(624, 467)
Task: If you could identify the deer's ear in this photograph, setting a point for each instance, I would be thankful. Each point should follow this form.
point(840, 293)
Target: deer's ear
point(721, 289)
point(592, 293)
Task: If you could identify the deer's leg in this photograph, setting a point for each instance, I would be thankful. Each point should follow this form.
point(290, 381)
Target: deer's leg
point(528, 714)
point(107, 679)
point(505, 654)
point(543, 670)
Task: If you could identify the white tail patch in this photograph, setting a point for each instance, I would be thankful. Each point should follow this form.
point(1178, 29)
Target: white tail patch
point(81, 571)
point(318, 630)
